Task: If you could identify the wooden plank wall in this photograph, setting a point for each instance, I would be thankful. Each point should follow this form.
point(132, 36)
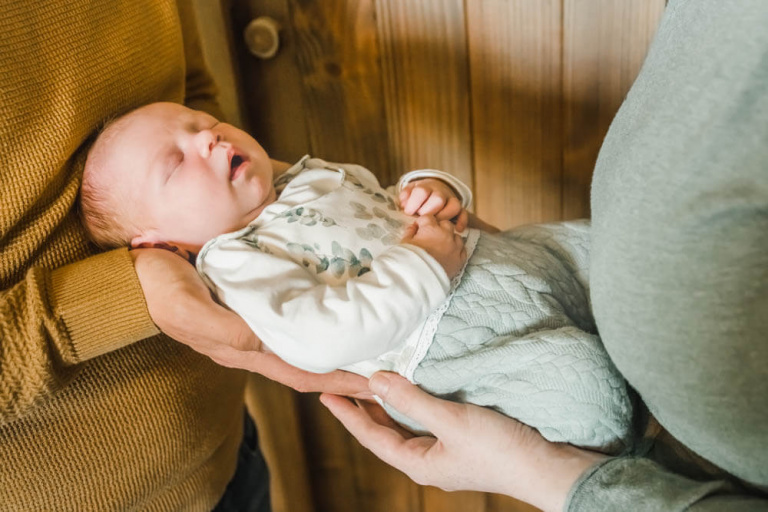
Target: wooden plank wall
point(516, 76)
point(512, 96)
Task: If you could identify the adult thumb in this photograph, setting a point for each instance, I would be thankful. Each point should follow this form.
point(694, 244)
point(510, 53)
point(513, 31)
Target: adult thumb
point(436, 415)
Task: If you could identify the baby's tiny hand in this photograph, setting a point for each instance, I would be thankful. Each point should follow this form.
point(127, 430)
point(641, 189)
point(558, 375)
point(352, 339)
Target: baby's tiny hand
point(432, 196)
point(440, 240)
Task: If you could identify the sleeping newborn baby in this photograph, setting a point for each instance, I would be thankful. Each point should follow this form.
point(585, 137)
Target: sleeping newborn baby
point(331, 271)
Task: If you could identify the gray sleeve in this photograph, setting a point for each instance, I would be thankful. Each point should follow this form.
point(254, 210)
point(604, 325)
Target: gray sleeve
point(642, 485)
point(679, 261)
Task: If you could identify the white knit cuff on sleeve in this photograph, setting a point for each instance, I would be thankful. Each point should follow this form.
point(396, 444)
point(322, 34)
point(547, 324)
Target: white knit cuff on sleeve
point(463, 191)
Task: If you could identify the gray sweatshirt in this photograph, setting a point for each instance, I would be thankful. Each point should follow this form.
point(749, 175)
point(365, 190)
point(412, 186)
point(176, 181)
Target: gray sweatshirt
point(679, 272)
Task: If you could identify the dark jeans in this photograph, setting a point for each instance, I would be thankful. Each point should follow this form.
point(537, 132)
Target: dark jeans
point(248, 491)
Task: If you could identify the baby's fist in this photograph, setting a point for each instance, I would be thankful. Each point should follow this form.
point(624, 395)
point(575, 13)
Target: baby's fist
point(432, 196)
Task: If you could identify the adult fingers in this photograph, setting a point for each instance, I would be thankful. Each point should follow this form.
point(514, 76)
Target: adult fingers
point(443, 418)
point(400, 450)
point(380, 416)
point(272, 367)
point(383, 441)
point(339, 382)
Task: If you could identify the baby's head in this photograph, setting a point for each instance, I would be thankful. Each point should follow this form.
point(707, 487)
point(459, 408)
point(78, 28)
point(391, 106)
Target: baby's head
point(164, 173)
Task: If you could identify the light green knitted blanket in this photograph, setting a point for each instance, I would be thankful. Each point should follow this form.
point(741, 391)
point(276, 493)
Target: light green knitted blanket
point(518, 336)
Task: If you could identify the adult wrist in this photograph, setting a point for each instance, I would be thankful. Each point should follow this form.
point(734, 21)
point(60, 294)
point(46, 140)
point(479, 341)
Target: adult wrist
point(555, 469)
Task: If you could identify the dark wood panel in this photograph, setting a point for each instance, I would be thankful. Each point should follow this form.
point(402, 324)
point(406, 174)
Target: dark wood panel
point(426, 85)
point(516, 76)
point(436, 500)
point(274, 408)
point(272, 89)
point(383, 488)
point(497, 503)
point(330, 459)
point(340, 66)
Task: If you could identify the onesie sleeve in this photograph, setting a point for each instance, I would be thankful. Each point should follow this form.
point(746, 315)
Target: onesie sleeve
point(319, 327)
point(463, 192)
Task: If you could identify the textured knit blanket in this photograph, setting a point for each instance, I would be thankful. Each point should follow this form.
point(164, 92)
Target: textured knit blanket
point(518, 336)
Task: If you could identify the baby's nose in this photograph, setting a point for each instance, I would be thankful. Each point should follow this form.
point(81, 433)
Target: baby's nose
point(205, 141)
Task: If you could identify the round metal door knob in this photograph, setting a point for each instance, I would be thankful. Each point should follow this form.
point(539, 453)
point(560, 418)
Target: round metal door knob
point(262, 37)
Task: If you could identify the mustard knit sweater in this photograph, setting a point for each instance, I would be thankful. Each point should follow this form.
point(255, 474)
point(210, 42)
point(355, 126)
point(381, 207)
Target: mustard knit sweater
point(97, 411)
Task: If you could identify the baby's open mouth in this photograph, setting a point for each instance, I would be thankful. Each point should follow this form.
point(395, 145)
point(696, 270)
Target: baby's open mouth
point(236, 164)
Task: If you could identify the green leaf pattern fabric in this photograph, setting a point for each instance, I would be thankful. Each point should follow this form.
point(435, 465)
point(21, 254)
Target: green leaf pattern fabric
point(339, 231)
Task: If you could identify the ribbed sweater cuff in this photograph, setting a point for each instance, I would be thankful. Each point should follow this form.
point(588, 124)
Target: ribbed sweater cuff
point(633, 483)
point(101, 305)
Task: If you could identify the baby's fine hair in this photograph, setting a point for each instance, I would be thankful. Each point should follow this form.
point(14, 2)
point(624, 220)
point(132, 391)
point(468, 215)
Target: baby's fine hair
point(105, 215)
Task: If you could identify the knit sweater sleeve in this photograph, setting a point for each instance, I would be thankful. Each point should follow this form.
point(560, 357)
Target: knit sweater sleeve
point(52, 320)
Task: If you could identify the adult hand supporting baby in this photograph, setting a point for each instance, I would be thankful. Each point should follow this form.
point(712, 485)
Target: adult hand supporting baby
point(182, 307)
point(473, 448)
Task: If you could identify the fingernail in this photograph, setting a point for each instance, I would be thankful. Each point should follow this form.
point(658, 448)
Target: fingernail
point(379, 384)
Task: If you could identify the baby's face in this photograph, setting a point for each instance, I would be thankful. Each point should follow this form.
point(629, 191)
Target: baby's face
point(191, 177)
